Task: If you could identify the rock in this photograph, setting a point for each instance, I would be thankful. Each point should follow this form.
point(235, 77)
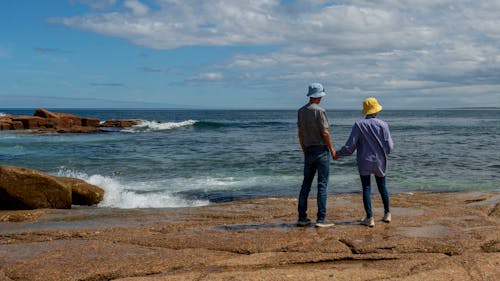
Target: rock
point(120, 123)
point(31, 122)
point(256, 239)
point(22, 188)
point(40, 112)
point(44, 121)
point(83, 193)
point(91, 122)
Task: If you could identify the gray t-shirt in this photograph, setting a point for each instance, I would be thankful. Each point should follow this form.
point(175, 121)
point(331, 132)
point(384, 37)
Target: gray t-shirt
point(312, 121)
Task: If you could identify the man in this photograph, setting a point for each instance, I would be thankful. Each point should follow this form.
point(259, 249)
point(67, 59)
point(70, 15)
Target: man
point(317, 148)
point(371, 137)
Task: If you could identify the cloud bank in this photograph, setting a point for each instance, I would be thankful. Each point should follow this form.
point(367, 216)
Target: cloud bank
point(395, 48)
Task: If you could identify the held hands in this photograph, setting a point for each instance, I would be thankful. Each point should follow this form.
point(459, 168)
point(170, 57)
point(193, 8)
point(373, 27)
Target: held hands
point(335, 156)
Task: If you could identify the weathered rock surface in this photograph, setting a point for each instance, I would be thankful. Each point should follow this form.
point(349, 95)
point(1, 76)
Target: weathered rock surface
point(22, 188)
point(56, 122)
point(444, 236)
point(82, 192)
point(120, 123)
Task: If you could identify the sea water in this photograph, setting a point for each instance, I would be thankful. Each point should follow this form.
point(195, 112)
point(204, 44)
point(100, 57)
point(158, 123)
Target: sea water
point(179, 158)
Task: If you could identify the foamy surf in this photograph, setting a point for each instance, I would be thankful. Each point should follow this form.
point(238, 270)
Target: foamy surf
point(145, 125)
point(127, 196)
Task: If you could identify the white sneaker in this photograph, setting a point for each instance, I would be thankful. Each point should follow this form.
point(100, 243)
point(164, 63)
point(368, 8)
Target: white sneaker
point(368, 222)
point(324, 223)
point(387, 218)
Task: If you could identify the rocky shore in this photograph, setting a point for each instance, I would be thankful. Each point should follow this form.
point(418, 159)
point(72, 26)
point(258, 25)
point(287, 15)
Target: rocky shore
point(45, 121)
point(433, 236)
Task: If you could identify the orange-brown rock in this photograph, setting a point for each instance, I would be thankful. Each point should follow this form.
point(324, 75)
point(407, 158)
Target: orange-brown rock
point(120, 123)
point(22, 188)
point(83, 193)
point(57, 122)
point(433, 236)
point(44, 113)
point(91, 122)
point(31, 122)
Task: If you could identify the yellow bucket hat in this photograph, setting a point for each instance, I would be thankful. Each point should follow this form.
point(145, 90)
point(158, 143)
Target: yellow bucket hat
point(371, 106)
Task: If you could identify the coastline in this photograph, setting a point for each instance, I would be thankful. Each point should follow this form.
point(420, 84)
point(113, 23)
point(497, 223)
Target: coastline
point(438, 236)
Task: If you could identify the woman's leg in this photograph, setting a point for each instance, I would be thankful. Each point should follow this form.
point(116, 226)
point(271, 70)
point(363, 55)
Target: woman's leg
point(383, 193)
point(365, 183)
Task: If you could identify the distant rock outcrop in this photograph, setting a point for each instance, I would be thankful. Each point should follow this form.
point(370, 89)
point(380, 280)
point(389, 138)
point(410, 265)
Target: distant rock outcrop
point(120, 123)
point(22, 188)
point(47, 121)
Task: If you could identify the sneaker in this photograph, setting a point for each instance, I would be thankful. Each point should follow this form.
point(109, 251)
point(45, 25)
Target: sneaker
point(368, 222)
point(324, 223)
point(387, 218)
point(303, 223)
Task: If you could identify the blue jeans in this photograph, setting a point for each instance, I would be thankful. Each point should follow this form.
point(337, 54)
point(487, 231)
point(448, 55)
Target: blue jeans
point(316, 158)
point(365, 182)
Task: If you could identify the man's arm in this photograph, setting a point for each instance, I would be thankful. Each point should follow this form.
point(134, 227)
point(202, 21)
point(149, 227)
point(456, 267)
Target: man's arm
point(328, 141)
point(301, 140)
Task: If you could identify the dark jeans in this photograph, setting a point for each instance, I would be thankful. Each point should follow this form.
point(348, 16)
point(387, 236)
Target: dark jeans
point(315, 159)
point(365, 182)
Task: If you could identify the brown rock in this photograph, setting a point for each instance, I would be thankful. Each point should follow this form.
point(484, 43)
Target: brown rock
point(22, 188)
point(30, 122)
point(90, 122)
point(17, 125)
point(44, 113)
point(120, 123)
point(5, 125)
point(83, 193)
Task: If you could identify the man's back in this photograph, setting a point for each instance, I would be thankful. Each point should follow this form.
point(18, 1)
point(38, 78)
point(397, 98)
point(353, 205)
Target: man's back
point(312, 121)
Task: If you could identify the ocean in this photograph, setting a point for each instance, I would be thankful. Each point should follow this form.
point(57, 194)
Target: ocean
point(188, 158)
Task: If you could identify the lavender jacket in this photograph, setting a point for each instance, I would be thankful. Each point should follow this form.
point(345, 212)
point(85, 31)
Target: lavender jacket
point(372, 139)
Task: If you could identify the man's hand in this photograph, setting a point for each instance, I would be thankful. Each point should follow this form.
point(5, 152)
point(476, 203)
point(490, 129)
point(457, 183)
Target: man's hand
point(335, 156)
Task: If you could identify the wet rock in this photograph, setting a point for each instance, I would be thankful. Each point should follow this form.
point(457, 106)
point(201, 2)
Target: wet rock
point(120, 123)
point(83, 193)
point(22, 188)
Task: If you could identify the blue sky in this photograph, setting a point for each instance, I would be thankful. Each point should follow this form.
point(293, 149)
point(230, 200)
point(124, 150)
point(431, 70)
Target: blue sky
point(248, 54)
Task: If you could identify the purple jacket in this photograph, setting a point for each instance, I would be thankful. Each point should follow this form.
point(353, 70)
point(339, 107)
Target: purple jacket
point(372, 139)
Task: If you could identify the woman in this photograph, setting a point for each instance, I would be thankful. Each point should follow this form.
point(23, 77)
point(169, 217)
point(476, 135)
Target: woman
point(372, 139)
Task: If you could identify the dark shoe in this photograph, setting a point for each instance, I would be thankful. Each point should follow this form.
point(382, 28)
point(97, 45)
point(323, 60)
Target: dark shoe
point(324, 223)
point(303, 223)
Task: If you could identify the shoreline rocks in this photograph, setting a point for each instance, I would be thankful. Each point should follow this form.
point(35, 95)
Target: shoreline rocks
point(22, 189)
point(47, 121)
point(433, 236)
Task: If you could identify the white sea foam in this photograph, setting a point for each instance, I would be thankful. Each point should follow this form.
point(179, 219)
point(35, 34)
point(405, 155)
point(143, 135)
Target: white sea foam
point(128, 195)
point(145, 125)
point(2, 114)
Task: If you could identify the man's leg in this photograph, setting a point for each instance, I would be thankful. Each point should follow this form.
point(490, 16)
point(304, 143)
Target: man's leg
point(323, 175)
point(309, 171)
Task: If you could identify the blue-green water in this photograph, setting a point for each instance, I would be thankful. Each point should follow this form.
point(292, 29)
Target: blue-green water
point(193, 157)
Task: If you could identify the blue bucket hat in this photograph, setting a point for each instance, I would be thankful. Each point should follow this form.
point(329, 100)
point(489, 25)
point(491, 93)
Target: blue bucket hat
point(316, 90)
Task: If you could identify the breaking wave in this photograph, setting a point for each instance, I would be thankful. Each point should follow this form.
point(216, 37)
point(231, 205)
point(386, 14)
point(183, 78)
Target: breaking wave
point(128, 195)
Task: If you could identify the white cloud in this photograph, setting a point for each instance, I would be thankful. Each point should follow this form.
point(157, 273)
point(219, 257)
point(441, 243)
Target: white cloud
point(357, 46)
point(136, 7)
point(207, 77)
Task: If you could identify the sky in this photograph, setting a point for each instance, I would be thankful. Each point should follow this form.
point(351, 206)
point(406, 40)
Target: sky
point(248, 54)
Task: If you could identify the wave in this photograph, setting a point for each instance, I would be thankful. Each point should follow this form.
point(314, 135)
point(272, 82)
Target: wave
point(2, 114)
point(148, 126)
point(128, 195)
